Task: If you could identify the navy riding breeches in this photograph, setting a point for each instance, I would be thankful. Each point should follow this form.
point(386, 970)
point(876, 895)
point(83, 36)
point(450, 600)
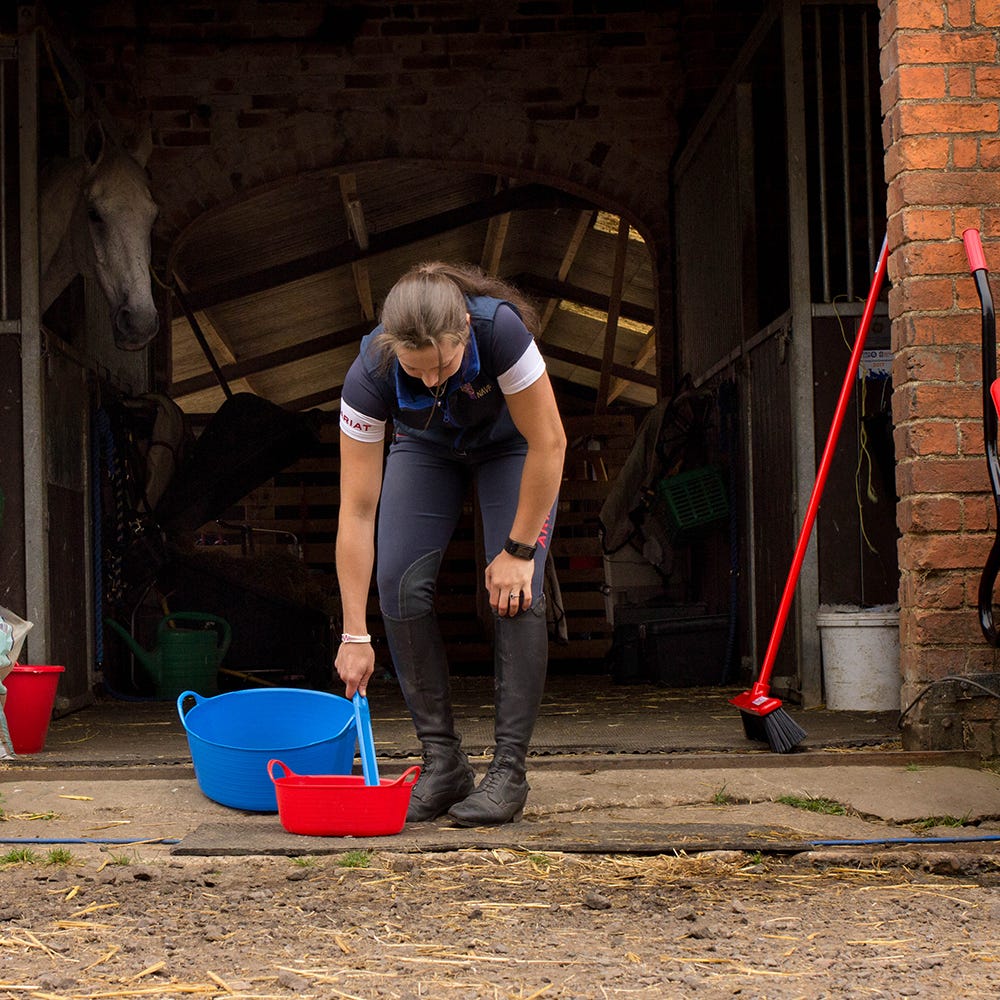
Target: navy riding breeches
point(423, 490)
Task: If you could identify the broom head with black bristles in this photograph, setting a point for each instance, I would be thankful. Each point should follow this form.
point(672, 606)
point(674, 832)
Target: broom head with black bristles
point(765, 721)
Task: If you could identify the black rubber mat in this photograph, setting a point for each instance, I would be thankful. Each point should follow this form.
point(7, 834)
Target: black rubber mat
point(267, 837)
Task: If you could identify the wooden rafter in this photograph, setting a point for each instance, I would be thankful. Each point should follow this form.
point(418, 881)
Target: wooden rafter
point(273, 359)
point(581, 296)
point(496, 235)
point(523, 197)
point(614, 310)
point(355, 221)
point(642, 358)
point(583, 224)
point(210, 340)
point(623, 372)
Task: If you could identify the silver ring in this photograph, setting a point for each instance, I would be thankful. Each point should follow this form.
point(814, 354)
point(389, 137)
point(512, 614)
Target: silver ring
point(514, 596)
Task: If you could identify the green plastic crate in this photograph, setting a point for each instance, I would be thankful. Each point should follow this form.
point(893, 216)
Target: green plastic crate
point(693, 499)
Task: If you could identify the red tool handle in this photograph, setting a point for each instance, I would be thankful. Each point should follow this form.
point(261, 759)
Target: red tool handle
point(763, 682)
point(974, 250)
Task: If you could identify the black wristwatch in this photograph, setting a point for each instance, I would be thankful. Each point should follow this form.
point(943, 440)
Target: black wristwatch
point(519, 550)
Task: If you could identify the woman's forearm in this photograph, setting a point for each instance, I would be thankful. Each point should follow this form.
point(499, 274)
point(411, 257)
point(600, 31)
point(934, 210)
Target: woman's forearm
point(355, 560)
point(540, 482)
point(360, 485)
point(536, 416)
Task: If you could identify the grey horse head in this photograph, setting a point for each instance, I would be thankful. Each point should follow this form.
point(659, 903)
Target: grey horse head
point(96, 216)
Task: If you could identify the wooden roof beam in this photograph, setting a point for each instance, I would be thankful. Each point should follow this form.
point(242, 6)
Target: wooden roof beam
point(359, 233)
point(496, 235)
point(595, 364)
point(619, 385)
point(524, 197)
point(614, 311)
point(583, 224)
point(537, 285)
point(274, 359)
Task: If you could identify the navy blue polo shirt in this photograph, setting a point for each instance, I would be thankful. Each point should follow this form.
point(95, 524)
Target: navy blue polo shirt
point(500, 358)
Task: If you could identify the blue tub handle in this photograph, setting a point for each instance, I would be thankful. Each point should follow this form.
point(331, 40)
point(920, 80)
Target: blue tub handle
point(271, 764)
point(182, 697)
point(366, 741)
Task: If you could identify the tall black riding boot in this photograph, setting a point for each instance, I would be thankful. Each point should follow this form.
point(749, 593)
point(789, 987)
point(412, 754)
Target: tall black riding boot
point(520, 658)
point(418, 654)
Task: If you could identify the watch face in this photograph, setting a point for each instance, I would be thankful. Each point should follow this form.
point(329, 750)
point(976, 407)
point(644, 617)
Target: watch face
point(520, 550)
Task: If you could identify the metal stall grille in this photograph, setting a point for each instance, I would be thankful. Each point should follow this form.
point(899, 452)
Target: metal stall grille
point(846, 180)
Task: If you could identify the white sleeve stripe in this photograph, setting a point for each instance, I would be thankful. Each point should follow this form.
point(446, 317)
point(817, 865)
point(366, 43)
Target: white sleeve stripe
point(358, 426)
point(527, 370)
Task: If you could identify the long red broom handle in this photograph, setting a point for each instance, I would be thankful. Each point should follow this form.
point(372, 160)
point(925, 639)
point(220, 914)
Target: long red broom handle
point(824, 467)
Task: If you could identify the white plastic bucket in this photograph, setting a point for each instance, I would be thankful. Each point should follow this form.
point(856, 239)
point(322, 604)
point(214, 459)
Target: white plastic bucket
point(860, 658)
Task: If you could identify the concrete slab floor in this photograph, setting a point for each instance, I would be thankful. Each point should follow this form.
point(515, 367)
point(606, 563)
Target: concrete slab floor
point(613, 769)
point(579, 715)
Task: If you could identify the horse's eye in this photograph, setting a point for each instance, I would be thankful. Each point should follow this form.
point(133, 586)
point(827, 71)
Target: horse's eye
point(94, 215)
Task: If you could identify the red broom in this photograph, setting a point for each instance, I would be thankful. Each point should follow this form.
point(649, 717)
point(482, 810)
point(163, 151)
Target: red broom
point(764, 719)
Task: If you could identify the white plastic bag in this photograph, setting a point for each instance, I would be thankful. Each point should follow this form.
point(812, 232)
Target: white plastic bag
point(6, 643)
point(16, 629)
point(13, 629)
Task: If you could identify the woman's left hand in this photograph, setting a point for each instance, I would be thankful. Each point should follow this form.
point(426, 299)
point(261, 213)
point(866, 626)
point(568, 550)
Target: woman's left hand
point(355, 664)
point(508, 582)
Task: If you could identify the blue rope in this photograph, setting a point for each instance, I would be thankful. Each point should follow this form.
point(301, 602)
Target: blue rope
point(730, 442)
point(103, 449)
point(86, 840)
point(905, 840)
point(102, 429)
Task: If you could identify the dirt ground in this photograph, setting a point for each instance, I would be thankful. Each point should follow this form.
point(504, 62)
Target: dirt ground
point(137, 922)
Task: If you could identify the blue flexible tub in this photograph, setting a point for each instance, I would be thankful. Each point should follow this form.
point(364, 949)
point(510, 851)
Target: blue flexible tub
point(232, 737)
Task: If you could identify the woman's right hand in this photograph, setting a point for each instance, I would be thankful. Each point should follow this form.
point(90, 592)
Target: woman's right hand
point(355, 664)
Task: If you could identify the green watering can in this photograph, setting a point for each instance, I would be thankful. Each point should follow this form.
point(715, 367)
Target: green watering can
point(184, 658)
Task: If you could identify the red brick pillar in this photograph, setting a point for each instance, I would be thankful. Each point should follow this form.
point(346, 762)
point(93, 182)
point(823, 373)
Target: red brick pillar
point(940, 92)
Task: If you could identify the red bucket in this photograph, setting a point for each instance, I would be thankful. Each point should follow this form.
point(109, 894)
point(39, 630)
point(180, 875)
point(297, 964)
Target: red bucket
point(31, 694)
point(341, 805)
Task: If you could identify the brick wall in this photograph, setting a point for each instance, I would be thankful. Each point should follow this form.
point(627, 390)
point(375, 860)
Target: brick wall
point(941, 103)
point(243, 93)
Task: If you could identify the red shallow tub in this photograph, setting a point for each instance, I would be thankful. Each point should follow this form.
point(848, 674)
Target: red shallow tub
point(341, 805)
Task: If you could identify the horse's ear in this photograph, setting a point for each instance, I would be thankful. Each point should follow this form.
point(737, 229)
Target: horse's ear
point(94, 143)
point(142, 146)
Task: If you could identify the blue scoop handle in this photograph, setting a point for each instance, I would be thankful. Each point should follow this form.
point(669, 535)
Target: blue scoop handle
point(366, 741)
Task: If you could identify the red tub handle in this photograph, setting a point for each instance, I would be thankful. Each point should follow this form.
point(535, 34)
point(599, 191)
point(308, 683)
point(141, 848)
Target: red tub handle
point(271, 764)
point(974, 250)
point(409, 776)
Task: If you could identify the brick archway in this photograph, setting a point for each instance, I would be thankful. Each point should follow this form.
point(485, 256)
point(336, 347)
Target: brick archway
point(243, 162)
